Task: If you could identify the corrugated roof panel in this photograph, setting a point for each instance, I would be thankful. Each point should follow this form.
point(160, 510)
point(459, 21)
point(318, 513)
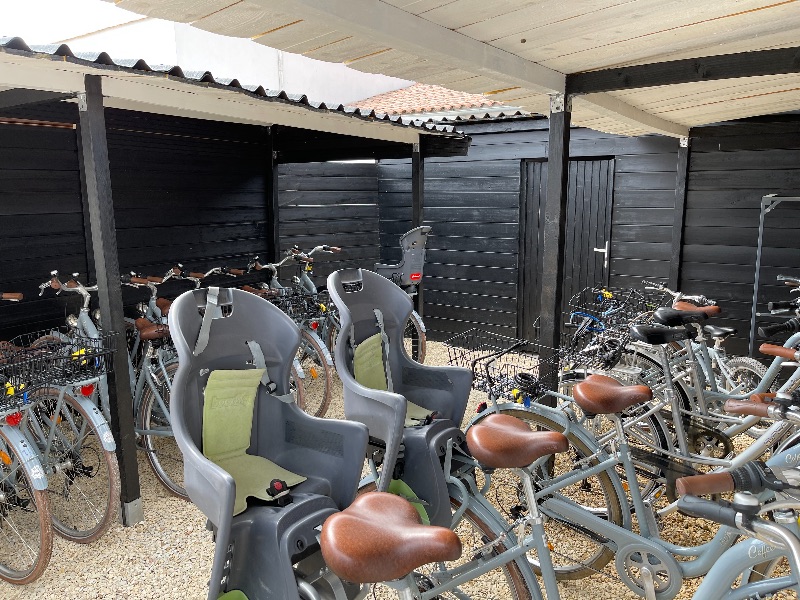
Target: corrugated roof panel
point(103, 61)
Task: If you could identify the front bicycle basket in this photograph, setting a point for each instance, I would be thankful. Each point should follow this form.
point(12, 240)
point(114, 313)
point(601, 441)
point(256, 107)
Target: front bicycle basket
point(80, 358)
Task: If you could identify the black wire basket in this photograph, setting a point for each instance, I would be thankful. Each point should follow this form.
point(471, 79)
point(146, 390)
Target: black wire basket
point(61, 357)
point(506, 366)
point(21, 369)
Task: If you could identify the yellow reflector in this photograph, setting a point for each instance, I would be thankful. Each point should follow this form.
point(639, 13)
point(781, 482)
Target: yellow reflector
point(313, 372)
point(550, 546)
point(625, 486)
point(5, 458)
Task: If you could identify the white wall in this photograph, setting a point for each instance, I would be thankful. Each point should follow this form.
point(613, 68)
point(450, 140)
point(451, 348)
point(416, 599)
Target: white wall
point(94, 25)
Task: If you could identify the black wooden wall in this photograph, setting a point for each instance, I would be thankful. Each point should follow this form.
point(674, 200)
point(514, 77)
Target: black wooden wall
point(473, 205)
point(333, 204)
point(41, 218)
point(731, 167)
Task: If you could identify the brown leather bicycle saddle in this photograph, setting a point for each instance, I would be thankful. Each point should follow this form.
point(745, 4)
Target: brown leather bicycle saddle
point(163, 305)
point(709, 311)
point(504, 442)
point(602, 395)
point(150, 331)
point(380, 537)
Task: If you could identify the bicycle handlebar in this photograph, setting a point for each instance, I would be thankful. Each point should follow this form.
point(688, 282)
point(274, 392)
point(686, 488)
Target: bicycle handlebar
point(790, 326)
point(706, 509)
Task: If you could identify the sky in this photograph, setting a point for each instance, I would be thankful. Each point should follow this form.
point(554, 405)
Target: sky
point(64, 19)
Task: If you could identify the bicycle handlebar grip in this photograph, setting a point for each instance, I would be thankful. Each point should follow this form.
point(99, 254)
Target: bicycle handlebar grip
point(706, 509)
point(781, 305)
point(11, 296)
point(708, 483)
point(197, 275)
point(779, 351)
point(236, 272)
point(790, 326)
point(137, 281)
point(791, 283)
point(333, 249)
point(743, 407)
point(72, 284)
point(155, 279)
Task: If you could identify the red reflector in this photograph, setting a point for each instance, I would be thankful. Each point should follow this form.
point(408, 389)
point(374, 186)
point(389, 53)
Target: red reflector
point(278, 486)
point(14, 419)
point(314, 325)
point(415, 276)
point(87, 390)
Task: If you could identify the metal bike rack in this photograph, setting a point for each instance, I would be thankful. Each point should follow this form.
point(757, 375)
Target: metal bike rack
point(768, 203)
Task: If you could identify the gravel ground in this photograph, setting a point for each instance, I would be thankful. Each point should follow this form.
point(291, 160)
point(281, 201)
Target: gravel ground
point(169, 554)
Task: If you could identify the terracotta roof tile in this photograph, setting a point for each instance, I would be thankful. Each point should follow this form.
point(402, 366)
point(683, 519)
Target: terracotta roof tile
point(422, 98)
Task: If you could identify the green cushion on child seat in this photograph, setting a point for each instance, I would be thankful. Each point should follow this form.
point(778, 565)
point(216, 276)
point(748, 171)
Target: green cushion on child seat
point(227, 423)
point(400, 488)
point(233, 595)
point(368, 367)
point(370, 371)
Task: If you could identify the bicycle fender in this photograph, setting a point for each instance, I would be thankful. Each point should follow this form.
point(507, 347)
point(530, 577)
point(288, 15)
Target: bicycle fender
point(100, 423)
point(325, 352)
point(419, 320)
point(28, 457)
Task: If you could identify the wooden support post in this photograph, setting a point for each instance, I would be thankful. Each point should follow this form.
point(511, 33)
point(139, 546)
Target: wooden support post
point(553, 229)
point(417, 205)
point(271, 200)
point(102, 229)
point(681, 184)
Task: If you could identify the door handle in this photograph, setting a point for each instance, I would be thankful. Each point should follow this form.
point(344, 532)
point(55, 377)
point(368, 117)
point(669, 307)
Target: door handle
point(604, 250)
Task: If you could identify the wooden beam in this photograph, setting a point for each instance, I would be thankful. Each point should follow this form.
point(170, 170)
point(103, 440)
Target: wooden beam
point(551, 280)
point(404, 31)
point(681, 186)
point(102, 230)
point(607, 105)
point(690, 70)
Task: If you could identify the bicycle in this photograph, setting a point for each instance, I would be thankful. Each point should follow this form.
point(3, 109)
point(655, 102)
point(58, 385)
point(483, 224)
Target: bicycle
point(750, 568)
point(26, 531)
point(581, 492)
point(69, 424)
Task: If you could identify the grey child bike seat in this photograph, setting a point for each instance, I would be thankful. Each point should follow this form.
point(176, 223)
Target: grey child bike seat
point(227, 330)
point(357, 294)
point(408, 272)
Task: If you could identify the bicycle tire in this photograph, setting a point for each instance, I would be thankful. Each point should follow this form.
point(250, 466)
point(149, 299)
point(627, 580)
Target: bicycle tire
point(22, 507)
point(506, 582)
point(597, 494)
point(415, 328)
point(316, 397)
point(83, 477)
point(163, 454)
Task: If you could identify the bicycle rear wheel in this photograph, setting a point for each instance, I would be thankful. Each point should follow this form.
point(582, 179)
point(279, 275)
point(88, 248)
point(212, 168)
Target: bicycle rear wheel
point(316, 395)
point(162, 450)
point(82, 477)
point(414, 338)
point(26, 533)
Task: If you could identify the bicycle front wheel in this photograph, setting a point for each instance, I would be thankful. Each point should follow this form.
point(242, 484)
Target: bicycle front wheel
point(26, 533)
point(82, 477)
point(577, 552)
point(316, 395)
point(159, 443)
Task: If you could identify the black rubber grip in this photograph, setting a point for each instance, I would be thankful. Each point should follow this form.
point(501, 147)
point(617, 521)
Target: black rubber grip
point(790, 326)
point(706, 509)
point(781, 305)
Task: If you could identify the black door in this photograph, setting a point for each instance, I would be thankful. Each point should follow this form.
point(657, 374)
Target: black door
point(588, 232)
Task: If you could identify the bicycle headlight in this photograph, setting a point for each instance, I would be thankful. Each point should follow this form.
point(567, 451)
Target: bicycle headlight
point(72, 320)
point(96, 315)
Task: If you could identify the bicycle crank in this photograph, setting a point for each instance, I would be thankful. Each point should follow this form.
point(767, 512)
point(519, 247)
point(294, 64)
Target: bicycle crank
point(648, 571)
